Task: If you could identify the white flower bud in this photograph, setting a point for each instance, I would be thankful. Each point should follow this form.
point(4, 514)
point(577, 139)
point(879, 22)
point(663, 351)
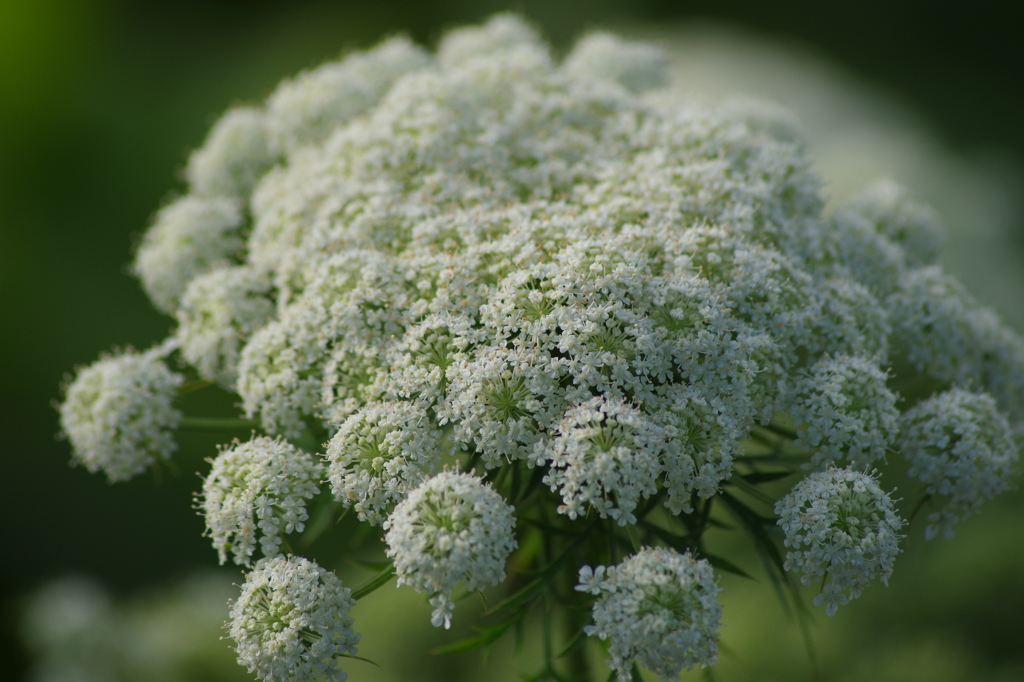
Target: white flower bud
point(118, 413)
point(453, 527)
point(291, 622)
point(658, 608)
point(191, 236)
point(236, 153)
point(962, 449)
point(844, 410)
point(635, 66)
point(842, 529)
point(379, 454)
point(218, 314)
point(259, 487)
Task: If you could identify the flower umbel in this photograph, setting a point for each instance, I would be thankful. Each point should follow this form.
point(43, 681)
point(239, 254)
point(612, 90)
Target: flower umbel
point(290, 622)
point(844, 532)
point(657, 607)
point(118, 413)
point(453, 527)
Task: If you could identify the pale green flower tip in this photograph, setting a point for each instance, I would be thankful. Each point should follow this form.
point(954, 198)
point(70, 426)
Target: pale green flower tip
point(501, 33)
point(236, 153)
point(656, 595)
point(189, 237)
point(636, 66)
point(290, 623)
point(118, 413)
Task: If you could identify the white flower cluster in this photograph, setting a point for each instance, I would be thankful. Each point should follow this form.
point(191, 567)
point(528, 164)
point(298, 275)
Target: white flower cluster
point(217, 314)
point(453, 527)
point(118, 413)
point(263, 485)
point(605, 456)
point(657, 607)
point(514, 262)
point(379, 454)
point(291, 622)
point(845, 411)
point(843, 528)
point(963, 449)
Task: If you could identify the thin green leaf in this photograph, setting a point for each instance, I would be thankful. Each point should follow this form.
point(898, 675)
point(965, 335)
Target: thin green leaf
point(750, 489)
point(359, 658)
point(766, 476)
point(485, 637)
point(575, 644)
point(371, 585)
point(726, 565)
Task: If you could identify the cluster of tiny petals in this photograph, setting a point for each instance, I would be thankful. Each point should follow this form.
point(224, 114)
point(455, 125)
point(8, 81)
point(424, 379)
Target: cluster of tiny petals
point(452, 527)
point(218, 313)
point(845, 411)
point(118, 413)
point(291, 622)
point(961, 447)
point(379, 454)
point(948, 337)
point(189, 237)
point(658, 608)
point(843, 531)
point(605, 456)
point(259, 487)
point(635, 66)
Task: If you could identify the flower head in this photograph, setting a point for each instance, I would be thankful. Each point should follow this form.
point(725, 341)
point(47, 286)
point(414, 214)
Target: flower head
point(379, 454)
point(659, 608)
point(845, 411)
point(452, 527)
point(260, 485)
point(218, 313)
point(118, 413)
point(961, 447)
point(290, 622)
point(189, 237)
point(841, 527)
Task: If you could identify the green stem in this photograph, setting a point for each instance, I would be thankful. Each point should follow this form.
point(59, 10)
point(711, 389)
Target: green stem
point(215, 424)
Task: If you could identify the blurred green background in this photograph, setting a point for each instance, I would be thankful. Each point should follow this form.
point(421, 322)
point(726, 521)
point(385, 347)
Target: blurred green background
point(100, 102)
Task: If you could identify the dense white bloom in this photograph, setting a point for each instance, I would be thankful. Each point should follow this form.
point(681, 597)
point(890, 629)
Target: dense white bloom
point(962, 448)
point(842, 528)
point(218, 313)
point(659, 608)
point(118, 413)
point(291, 622)
point(634, 66)
point(236, 153)
point(260, 485)
point(306, 109)
point(605, 456)
point(379, 454)
point(845, 411)
point(189, 237)
point(453, 527)
point(947, 336)
point(500, 33)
